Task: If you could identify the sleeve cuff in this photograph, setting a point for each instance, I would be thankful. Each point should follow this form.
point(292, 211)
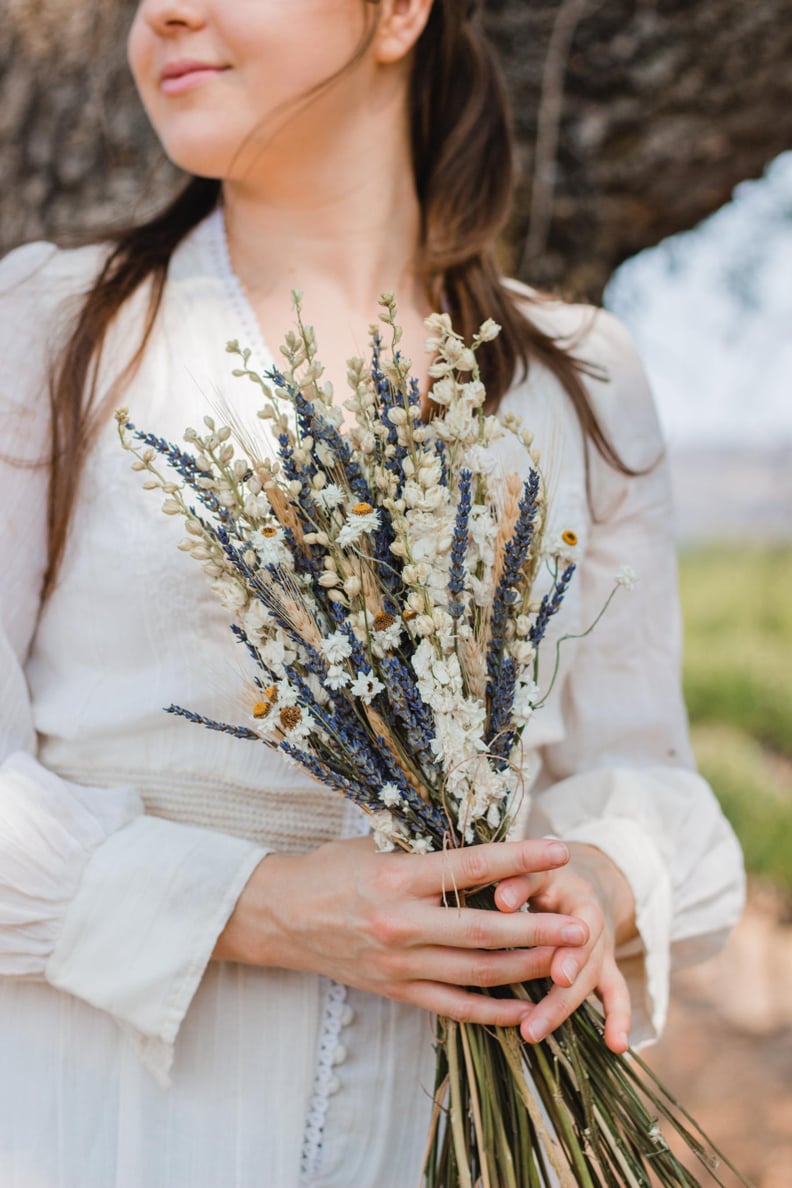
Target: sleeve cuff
point(645, 960)
point(139, 933)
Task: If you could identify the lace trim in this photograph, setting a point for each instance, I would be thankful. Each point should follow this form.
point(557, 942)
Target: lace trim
point(333, 1019)
point(335, 994)
point(243, 310)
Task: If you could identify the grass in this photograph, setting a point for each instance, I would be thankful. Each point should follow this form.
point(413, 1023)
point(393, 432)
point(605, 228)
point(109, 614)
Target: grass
point(737, 605)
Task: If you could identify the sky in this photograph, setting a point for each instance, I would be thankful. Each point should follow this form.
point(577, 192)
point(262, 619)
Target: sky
point(711, 314)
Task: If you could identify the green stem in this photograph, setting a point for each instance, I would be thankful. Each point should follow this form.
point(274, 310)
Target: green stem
point(573, 1147)
point(457, 1119)
point(476, 1106)
point(551, 1145)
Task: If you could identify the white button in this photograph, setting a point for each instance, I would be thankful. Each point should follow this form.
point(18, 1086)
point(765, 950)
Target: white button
point(340, 1055)
point(333, 1086)
point(347, 1016)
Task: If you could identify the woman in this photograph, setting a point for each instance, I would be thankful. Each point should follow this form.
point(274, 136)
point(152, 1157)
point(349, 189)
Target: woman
point(207, 978)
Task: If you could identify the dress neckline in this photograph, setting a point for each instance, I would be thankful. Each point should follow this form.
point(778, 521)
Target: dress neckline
point(245, 315)
point(250, 333)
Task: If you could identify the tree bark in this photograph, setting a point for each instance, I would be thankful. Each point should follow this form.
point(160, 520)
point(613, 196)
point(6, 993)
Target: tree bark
point(667, 105)
point(635, 119)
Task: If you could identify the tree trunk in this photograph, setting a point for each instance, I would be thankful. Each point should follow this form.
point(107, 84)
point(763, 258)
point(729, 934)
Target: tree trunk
point(635, 119)
point(662, 107)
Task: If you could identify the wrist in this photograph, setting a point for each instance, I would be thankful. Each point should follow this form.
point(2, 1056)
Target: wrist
point(614, 891)
point(252, 935)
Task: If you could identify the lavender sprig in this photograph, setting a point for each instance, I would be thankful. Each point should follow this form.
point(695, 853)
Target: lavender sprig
point(515, 555)
point(186, 466)
point(550, 605)
point(500, 738)
point(459, 545)
point(406, 703)
point(211, 724)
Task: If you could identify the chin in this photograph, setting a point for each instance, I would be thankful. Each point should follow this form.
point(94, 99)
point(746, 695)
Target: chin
point(198, 145)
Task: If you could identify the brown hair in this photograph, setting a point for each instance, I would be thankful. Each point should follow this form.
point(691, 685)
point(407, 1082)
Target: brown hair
point(462, 145)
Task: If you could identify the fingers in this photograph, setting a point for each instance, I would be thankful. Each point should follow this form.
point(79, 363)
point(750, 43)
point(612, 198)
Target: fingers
point(474, 928)
point(479, 866)
point(615, 996)
point(568, 962)
point(600, 976)
point(464, 967)
point(512, 894)
point(551, 1011)
point(466, 1006)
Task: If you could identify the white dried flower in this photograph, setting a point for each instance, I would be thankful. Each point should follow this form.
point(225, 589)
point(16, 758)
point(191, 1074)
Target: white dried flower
point(421, 845)
point(366, 687)
point(494, 815)
point(439, 327)
point(626, 577)
point(362, 518)
point(387, 638)
point(386, 828)
point(328, 497)
point(522, 651)
point(352, 585)
point(489, 330)
point(390, 795)
point(337, 677)
point(522, 625)
point(325, 454)
point(444, 391)
point(563, 545)
point(230, 593)
point(336, 648)
point(525, 696)
point(270, 545)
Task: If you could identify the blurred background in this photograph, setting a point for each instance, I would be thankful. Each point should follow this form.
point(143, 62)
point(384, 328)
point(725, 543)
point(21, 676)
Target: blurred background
point(655, 150)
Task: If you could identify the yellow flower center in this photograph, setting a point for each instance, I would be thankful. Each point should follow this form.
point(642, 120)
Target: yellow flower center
point(383, 621)
point(269, 531)
point(362, 509)
point(409, 614)
point(263, 707)
point(569, 538)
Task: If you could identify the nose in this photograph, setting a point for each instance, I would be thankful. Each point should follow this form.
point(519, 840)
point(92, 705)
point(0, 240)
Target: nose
point(168, 17)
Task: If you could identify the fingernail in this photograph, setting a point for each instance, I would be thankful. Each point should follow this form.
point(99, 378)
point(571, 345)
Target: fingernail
point(569, 970)
point(573, 934)
point(509, 898)
point(623, 1039)
point(558, 853)
point(537, 1029)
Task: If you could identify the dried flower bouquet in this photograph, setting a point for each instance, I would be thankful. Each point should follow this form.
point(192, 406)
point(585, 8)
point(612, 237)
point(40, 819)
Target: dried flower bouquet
point(392, 588)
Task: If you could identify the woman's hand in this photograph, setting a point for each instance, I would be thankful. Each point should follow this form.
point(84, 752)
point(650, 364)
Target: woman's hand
point(377, 922)
point(593, 889)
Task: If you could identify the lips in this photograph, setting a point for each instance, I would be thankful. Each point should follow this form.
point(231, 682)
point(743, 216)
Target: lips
point(185, 74)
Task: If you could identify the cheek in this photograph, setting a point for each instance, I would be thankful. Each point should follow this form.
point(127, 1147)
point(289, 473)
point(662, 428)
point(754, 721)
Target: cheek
point(284, 48)
point(139, 52)
point(200, 132)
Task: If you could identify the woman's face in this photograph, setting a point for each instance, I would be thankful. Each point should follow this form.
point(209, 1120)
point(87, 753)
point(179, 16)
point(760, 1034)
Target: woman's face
point(217, 76)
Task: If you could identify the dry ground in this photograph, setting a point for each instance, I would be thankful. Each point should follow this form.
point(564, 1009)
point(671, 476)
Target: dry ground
point(727, 1051)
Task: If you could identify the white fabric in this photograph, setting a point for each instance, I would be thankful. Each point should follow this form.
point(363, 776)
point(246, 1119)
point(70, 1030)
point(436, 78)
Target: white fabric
point(126, 835)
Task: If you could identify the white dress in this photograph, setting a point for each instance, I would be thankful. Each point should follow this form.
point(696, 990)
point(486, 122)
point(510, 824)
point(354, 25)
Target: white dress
point(127, 1058)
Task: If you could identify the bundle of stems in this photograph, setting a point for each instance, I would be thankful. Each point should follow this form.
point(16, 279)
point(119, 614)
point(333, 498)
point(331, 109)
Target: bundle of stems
point(564, 1112)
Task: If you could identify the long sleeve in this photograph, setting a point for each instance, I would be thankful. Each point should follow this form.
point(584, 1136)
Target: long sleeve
point(116, 907)
point(623, 777)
